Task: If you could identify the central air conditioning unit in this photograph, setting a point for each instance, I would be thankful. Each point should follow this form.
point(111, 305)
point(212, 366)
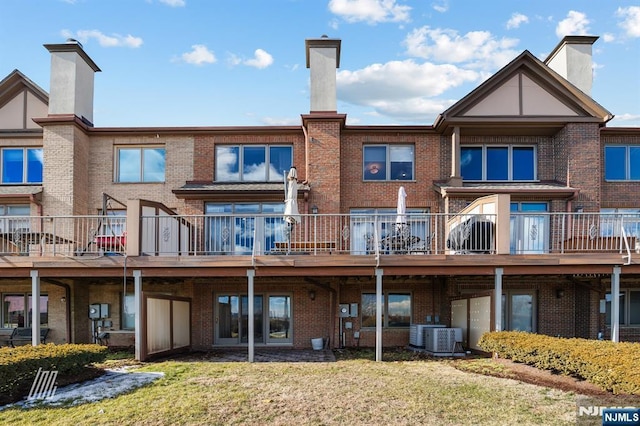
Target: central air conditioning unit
point(443, 341)
point(416, 333)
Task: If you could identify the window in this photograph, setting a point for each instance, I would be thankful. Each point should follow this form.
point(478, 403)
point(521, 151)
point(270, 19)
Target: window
point(621, 162)
point(629, 308)
point(232, 228)
point(613, 220)
point(396, 311)
point(519, 311)
point(22, 165)
point(388, 162)
point(16, 310)
point(128, 316)
point(140, 164)
point(19, 219)
point(253, 163)
point(498, 163)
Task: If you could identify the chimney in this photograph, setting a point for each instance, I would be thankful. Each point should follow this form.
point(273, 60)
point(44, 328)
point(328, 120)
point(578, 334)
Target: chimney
point(323, 58)
point(72, 75)
point(572, 59)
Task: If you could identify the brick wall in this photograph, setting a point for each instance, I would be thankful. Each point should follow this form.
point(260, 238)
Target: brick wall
point(357, 193)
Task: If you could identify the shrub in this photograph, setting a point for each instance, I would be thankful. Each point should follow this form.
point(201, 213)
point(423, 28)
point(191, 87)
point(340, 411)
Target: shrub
point(613, 366)
point(19, 366)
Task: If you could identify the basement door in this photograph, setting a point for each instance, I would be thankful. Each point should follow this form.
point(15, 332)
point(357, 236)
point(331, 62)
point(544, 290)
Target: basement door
point(271, 319)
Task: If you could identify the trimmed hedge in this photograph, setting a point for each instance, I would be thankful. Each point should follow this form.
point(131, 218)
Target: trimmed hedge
point(19, 366)
point(613, 366)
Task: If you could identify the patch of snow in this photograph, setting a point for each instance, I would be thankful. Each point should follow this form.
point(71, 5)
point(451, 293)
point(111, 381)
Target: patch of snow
point(109, 385)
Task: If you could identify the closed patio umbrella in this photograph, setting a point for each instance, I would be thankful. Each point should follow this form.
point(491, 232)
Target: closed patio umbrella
point(291, 213)
point(401, 218)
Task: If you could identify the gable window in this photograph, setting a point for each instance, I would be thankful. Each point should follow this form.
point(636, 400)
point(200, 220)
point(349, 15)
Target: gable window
point(388, 162)
point(22, 165)
point(140, 164)
point(396, 310)
point(621, 162)
point(498, 163)
point(252, 163)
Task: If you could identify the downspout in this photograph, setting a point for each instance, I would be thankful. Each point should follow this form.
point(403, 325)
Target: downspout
point(306, 152)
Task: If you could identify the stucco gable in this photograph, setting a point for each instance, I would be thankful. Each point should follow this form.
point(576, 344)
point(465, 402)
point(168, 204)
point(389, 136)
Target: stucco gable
point(20, 101)
point(525, 89)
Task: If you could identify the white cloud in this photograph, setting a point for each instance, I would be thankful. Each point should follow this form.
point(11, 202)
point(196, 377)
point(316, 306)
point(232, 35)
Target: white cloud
point(370, 11)
point(114, 40)
point(261, 59)
point(199, 55)
point(608, 37)
point(402, 89)
point(630, 20)
point(628, 117)
point(576, 23)
point(441, 7)
point(174, 3)
point(516, 20)
point(476, 49)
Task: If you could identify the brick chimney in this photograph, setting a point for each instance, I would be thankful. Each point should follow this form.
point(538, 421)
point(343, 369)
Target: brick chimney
point(323, 58)
point(72, 76)
point(572, 59)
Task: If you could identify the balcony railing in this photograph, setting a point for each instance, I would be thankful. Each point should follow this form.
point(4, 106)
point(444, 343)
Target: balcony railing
point(62, 235)
point(366, 234)
point(352, 234)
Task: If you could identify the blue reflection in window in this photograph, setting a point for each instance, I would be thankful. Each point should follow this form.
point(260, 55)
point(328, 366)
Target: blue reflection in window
point(141, 164)
point(280, 161)
point(12, 165)
point(634, 163)
point(471, 163)
point(375, 162)
point(523, 163)
point(498, 163)
point(254, 164)
point(153, 165)
point(34, 165)
point(129, 165)
point(614, 162)
point(227, 163)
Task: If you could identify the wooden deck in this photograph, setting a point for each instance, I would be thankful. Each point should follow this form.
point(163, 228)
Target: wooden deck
point(334, 264)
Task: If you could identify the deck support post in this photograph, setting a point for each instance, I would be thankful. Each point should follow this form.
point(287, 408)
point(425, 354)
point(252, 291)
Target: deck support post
point(35, 307)
point(497, 300)
point(251, 273)
point(379, 306)
point(615, 304)
point(137, 300)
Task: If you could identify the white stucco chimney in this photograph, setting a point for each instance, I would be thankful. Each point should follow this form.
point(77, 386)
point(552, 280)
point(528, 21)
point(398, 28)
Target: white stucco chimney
point(72, 76)
point(323, 58)
point(572, 59)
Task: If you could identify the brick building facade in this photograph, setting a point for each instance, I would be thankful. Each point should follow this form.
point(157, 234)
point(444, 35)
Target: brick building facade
point(547, 136)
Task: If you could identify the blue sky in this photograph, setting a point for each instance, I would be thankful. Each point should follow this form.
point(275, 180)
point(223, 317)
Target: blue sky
point(242, 62)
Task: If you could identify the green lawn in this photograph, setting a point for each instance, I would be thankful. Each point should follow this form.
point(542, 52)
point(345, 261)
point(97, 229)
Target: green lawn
point(347, 392)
